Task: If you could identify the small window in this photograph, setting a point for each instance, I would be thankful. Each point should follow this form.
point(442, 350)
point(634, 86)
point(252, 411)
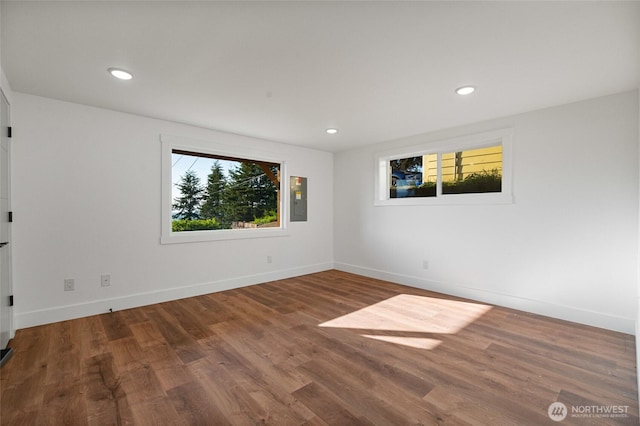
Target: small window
point(474, 169)
point(209, 195)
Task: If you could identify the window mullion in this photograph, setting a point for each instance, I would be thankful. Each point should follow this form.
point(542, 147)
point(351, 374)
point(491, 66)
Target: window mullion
point(439, 175)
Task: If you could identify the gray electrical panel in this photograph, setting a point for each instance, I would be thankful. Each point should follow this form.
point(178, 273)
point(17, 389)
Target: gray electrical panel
point(298, 197)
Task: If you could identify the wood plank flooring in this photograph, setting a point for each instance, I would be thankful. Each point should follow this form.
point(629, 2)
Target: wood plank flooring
point(324, 349)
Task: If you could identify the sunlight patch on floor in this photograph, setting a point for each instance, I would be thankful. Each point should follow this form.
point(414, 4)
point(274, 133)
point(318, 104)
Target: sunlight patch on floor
point(411, 314)
point(413, 342)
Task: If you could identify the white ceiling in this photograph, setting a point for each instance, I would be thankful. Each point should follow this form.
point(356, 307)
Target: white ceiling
point(286, 71)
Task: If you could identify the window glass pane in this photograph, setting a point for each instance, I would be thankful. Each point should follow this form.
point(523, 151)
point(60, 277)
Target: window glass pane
point(430, 162)
point(212, 192)
point(472, 171)
point(407, 177)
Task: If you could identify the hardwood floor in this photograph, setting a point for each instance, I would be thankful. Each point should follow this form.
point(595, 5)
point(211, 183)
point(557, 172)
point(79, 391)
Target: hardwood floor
point(327, 348)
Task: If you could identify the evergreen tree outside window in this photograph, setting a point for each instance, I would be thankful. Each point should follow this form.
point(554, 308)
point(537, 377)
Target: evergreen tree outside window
point(187, 206)
point(216, 184)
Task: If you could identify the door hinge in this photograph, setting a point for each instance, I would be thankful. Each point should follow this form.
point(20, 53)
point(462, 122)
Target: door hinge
point(11, 300)
point(9, 132)
point(10, 216)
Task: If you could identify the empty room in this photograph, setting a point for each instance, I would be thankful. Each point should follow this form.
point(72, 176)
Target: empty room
point(319, 212)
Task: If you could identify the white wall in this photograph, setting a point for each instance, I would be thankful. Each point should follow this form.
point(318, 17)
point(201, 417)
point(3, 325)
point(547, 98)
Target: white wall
point(638, 298)
point(86, 195)
point(567, 247)
point(86, 200)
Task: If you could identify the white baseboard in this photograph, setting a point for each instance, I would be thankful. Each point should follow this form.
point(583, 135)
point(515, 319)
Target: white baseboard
point(95, 307)
point(553, 310)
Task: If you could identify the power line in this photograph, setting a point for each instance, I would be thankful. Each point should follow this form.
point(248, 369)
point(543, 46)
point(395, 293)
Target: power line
point(234, 184)
point(194, 162)
point(178, 160)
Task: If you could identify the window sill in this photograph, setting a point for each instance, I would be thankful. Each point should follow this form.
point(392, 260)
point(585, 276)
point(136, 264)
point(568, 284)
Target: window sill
point(221, 235)
point(448, 200)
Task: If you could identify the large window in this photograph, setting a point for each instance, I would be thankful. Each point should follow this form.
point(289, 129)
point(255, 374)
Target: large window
point(210, 195)
point(474, 169)
point(214, 192)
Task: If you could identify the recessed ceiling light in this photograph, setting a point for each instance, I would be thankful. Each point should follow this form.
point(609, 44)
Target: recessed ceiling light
point(465, 90)
point(121, 74)
point(332, 131)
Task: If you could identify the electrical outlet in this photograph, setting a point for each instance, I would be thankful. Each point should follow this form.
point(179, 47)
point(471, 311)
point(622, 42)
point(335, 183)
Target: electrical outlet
point(69, 284)
point(105, 280)
point(269, 259)
point(425, 264)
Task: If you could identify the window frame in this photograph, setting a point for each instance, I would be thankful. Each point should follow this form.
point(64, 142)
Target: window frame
point(169, 143)
point(502, 137)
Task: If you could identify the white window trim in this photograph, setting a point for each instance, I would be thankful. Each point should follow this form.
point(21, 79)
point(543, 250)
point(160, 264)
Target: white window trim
point(167, 236)
point(503, 137)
